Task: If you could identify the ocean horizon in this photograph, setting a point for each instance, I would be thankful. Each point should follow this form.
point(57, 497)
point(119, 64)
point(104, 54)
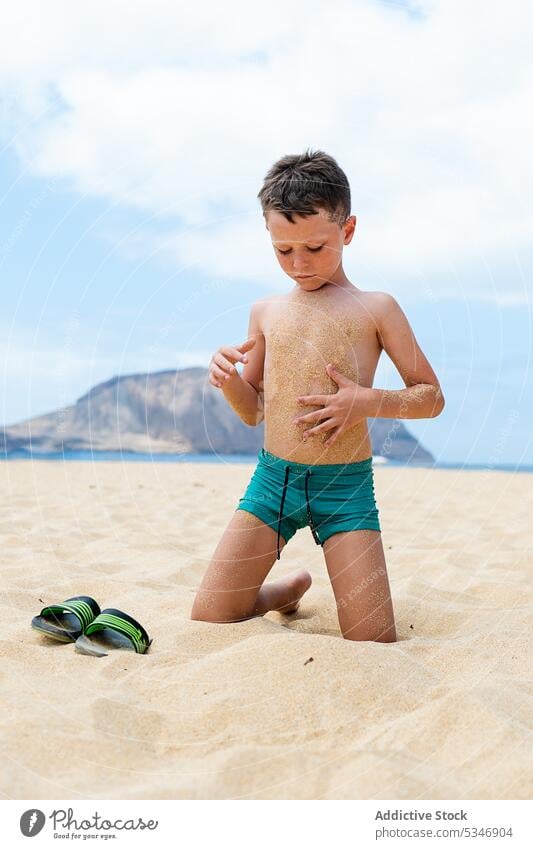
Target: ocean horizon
point(134, 457)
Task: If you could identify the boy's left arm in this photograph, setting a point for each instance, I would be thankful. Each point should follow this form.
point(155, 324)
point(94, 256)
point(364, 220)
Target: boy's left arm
point(422, 397)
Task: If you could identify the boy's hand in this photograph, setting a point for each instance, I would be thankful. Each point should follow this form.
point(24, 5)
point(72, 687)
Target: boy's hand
point(222, 365)
point(341, 411)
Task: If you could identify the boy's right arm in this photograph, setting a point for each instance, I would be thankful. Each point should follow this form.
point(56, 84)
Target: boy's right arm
point(243, 393)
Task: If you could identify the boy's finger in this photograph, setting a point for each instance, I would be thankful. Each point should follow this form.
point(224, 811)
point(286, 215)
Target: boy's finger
point(224, 363)
point(219, 374)
point(319, 428)
point(233, 354)
point(250, 342)
point(316, 416)
point(312, 400)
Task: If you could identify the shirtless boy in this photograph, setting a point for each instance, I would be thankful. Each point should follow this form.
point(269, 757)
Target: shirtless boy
point(309, 365)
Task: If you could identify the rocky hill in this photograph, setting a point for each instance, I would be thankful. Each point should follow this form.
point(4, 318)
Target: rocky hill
point(168, 412)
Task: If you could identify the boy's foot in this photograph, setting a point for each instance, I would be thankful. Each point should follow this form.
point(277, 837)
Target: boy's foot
point(284, 594)
point(297, 583)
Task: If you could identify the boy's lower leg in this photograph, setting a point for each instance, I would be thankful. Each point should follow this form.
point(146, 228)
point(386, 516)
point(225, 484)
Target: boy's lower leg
point(356, 564)
point(233, 588)
point(284, 594)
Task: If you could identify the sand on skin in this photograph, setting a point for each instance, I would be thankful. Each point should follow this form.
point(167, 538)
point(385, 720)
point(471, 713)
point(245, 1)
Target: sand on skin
point(239, 711)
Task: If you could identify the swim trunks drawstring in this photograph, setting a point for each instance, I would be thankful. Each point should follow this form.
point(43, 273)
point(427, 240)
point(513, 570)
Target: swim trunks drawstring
point(309, 516)
point(287, 469)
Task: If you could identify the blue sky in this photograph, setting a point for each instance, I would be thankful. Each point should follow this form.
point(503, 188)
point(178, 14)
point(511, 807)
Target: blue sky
point(132, 240)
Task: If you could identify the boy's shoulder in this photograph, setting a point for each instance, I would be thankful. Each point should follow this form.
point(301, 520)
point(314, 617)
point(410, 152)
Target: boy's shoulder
point(379, 298)
point(380, 303)
point(258, 307)
point(268, 299)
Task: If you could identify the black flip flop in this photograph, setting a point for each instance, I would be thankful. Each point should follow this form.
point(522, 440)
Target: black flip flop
point(113, 629)
point(66, 621)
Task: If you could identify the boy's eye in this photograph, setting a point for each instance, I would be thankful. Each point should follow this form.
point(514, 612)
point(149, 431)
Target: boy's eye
point(313, 250)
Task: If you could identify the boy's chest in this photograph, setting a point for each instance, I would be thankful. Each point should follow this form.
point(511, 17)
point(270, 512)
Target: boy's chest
point(308, 336)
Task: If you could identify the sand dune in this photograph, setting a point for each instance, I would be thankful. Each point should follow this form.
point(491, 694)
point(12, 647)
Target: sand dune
point(240, 710)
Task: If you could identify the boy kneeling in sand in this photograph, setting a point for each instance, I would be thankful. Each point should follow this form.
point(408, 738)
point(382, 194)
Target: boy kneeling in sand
point(309, 364)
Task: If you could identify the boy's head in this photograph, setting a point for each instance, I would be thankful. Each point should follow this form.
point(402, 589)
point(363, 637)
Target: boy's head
point(306, 206)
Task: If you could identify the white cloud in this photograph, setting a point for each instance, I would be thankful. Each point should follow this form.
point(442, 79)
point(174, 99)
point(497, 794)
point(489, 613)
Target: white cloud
point(178, 111)
point(21, 361)
point(37, 379)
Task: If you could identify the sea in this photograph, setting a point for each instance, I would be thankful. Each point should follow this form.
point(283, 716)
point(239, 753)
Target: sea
point(132, 457)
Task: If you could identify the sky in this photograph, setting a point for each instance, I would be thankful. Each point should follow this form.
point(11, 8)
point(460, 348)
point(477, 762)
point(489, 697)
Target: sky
point(131, 154)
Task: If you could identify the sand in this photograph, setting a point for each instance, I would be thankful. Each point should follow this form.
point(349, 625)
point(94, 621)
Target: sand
point(239, 711)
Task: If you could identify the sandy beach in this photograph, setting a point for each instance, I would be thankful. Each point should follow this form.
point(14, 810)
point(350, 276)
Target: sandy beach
point(275, 707)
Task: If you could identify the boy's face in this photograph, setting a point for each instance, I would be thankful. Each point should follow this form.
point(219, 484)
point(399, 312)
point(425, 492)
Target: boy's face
point(310, 249)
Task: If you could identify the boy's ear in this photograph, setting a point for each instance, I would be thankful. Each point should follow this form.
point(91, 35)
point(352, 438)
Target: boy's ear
point(349, 229)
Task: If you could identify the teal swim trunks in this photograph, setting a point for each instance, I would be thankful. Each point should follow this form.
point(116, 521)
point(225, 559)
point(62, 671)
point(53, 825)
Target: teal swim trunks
point(330, 498)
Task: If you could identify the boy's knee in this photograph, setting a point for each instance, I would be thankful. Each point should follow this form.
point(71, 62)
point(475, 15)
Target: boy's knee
point(203, 612)
point(200, 613)
point(388, 636)
point(197, 616)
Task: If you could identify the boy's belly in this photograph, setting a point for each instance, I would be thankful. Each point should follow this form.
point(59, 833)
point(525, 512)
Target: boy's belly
point(290, 373)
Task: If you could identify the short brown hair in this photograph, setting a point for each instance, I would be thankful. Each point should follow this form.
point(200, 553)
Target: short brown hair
point(303, 184)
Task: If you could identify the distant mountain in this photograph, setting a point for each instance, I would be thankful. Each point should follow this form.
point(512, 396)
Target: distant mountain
point(168, 412)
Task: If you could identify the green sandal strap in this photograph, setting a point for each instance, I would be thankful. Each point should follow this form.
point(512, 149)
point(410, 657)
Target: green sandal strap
point(82, 606)
point(125, 624)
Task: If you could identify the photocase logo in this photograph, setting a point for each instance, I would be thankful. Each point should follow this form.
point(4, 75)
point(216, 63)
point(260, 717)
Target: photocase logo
point(32, 822)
